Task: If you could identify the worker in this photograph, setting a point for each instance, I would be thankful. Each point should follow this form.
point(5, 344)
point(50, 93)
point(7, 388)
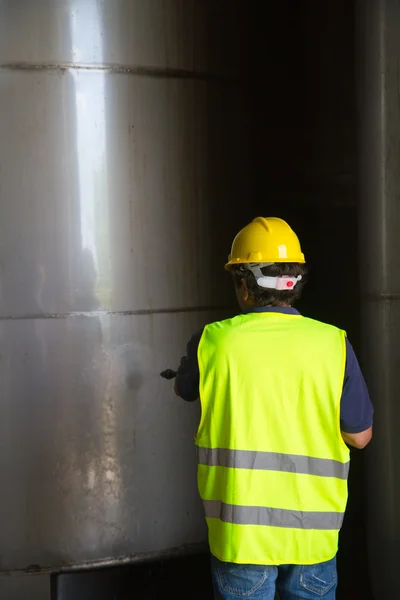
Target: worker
point(282, 397)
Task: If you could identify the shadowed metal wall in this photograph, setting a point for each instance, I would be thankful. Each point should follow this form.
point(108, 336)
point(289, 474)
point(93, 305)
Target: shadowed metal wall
point(121, 126)
point(379, 174)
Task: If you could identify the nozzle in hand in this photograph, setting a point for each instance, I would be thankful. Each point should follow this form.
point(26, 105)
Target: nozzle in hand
point(168, 374)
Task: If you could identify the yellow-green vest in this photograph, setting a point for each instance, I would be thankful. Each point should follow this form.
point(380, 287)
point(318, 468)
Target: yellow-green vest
point(273, 467)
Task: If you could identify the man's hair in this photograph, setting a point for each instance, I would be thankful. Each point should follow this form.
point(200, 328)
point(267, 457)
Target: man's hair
point(269, 297)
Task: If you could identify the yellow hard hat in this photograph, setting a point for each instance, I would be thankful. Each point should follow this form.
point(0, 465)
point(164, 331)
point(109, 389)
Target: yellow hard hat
point(266, 240)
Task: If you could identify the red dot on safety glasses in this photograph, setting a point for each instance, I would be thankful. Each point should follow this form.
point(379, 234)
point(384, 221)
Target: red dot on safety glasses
point(289, 284)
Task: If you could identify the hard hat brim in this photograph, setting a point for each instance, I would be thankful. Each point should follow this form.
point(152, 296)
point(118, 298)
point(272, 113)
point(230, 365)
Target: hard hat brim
point(237, 261)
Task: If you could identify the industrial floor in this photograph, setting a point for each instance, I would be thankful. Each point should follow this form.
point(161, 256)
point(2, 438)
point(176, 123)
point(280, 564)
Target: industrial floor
point(181, 579)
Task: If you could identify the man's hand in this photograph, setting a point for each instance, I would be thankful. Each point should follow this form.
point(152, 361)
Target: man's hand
point(358, 440)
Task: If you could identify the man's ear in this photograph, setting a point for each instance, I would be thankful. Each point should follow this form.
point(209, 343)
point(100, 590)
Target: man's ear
point(244, 290)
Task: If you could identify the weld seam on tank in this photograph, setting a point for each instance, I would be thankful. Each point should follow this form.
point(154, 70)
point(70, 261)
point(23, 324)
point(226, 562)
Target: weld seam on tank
point(382, 296)
point(141, 71)
point(111, 313)
point(142, 558)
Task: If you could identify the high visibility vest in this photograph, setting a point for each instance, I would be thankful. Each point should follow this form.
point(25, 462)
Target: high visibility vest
point(272, 464)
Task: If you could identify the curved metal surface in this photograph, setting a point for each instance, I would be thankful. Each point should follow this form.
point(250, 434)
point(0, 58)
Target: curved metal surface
point(111, 185)
point(119, 215)
point(174, 34)
point(379, 146)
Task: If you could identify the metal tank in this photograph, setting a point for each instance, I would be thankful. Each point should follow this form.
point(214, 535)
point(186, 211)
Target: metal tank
point(122, 147)
point(378, 23)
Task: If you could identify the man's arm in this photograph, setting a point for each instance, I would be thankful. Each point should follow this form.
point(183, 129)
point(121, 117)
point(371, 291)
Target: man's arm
point(358, 440)
point(356, 410)
point(188, 375)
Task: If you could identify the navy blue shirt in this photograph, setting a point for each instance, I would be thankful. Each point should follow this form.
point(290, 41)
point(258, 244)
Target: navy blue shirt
point(356, 410)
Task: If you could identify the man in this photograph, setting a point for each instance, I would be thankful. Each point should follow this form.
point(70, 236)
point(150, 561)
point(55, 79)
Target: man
point(281, 396)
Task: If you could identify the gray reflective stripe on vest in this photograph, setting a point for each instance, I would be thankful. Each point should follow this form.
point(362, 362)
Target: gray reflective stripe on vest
point(272, 461)
point(272, 517)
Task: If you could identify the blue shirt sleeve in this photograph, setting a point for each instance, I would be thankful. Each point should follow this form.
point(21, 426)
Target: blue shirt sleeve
point(188, 375)
point(356, 410)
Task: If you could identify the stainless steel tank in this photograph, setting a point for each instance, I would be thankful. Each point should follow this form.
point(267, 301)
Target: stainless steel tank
point(122, 152)
point(378, 24)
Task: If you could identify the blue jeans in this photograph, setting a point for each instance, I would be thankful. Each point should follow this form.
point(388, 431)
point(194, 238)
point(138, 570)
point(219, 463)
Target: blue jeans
point(292, 582)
